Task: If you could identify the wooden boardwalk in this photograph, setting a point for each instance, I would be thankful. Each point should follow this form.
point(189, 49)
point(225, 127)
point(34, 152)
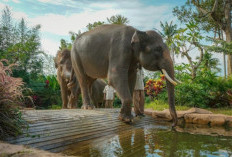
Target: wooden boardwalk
point(58, 130)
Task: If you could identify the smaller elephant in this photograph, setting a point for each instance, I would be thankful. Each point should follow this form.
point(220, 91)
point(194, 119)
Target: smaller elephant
point(64, 69)
point(70, 89)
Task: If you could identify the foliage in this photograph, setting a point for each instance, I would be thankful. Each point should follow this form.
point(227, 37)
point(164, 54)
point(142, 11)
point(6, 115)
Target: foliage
point(11, 98)
point(45, 92)
point(206, 90)
point(160, 105)
point(220, 46)
point(191, 12)
point(20, 45)
point(91, 26)
point(168, 32)
point(118, 19)
point(187, 39)
point(154, 87)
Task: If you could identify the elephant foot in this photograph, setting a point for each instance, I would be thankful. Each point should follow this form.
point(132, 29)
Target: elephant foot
point(140, 115)
point(87, 107)
point(125, 114)
point(125, 118)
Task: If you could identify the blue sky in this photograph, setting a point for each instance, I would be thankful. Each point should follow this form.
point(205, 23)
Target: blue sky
point(58, 17)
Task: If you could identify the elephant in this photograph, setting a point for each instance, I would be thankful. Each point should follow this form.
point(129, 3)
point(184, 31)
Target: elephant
point(70, 89)
point(113, 51)
point(64, 69)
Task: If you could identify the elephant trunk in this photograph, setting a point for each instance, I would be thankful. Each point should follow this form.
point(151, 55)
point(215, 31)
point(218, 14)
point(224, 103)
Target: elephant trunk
point(169, 72)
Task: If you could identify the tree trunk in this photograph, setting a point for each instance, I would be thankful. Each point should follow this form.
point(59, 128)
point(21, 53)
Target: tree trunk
point(224, 63)
point(228, 32)
point(194, 71)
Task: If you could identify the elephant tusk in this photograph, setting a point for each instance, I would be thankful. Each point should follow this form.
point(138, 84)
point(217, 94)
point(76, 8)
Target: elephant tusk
point(178, 81)
point(168, 77)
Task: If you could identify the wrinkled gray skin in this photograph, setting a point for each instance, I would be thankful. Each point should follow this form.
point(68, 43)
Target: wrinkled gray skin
point(113, 51)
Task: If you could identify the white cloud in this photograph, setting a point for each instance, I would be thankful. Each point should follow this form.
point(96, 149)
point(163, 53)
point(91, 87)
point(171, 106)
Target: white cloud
point(61, 24)
point(140, 16)
point(16, 1)
point(45, 1)
point(49, 46)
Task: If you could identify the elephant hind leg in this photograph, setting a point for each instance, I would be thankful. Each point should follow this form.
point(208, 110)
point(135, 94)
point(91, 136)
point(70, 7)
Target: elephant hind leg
point(85, 83)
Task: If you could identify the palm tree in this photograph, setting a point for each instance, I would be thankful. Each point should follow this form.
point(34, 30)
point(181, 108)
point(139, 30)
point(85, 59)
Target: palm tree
point(168, 32)
point(209, 63)
point(118, 19)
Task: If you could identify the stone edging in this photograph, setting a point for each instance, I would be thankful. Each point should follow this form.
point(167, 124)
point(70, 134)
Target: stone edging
point(194, 116)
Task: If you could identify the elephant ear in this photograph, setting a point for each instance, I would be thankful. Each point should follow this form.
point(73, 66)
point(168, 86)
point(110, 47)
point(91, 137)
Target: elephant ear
point(139, 39)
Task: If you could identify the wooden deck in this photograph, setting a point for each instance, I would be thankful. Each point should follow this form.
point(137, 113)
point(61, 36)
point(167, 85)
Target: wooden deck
point(59, 130)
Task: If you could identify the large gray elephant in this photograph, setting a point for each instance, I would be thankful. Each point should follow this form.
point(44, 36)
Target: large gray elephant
point(113, 51)
point(70, 89)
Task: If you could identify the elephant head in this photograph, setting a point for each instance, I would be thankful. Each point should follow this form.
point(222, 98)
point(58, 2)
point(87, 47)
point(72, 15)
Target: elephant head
point(64, 76)
point(153, 54)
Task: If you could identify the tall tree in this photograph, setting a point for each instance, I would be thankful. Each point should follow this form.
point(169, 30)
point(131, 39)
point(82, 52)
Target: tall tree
point(214, 14)
point(168, 32)
point(187, 40)
point(20, 45)
point(118, 19)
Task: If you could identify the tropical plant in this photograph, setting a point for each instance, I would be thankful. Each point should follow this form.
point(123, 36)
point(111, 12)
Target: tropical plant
point(154, 86)
point(11, 98)
point(168, 32)
point(91, 26)
point(212, 15)
point(118, 19)
point(188, 39)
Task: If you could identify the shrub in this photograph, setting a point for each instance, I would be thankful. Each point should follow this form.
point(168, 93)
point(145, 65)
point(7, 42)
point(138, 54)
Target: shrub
point(45, 92)
point(154, 86)
point(206, 90)
point(11, 98)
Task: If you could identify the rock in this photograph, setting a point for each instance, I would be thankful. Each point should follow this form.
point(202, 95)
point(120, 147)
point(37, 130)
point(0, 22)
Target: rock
point(229, 121)
point(217, 119)
point(162, 114)
point(197, 118)
point(148, 112)
point(198, 110)
point(204, 130)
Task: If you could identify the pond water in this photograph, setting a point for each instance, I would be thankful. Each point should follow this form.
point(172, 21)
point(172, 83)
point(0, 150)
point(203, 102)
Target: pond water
point(156, 140)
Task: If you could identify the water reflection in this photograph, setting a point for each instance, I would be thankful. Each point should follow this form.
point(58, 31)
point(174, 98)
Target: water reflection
point(151, 141)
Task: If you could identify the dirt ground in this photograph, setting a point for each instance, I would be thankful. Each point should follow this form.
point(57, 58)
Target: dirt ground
point(9, 150)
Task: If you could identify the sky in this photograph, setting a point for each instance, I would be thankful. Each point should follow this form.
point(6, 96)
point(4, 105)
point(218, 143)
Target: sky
point(58, 17)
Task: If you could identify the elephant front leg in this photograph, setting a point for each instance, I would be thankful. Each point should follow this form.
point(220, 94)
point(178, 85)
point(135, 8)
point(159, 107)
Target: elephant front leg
point(122, 87)
point(64, 94)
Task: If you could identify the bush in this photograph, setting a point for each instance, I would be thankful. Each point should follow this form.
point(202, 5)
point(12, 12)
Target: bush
point(45, 92)
point(206, 90)
point(11, 98)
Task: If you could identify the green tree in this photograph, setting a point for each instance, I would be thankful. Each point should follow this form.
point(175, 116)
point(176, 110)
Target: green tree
point(20, 45)
point(187, 40)
point(212, 15)
point(118, 19)
point(209, 63)
point(91, 26)
point(168, 32)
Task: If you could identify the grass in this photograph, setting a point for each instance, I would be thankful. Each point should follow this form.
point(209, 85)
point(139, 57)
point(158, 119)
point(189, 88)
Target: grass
point(160, 105)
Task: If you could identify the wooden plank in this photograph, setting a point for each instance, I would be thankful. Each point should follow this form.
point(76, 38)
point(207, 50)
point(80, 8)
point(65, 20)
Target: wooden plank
point(101, 133)
point(63, 147)
point(59, 130)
